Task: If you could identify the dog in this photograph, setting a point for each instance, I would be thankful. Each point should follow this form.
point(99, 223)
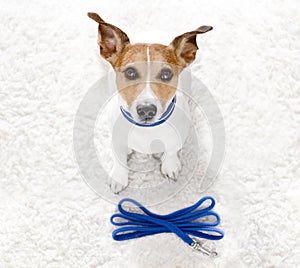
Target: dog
point(150, 114)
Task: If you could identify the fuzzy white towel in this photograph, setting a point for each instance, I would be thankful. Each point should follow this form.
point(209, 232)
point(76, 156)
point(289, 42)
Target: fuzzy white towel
point(250, 62)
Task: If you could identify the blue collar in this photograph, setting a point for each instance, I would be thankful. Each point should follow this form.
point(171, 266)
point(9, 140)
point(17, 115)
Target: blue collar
point(161, 120)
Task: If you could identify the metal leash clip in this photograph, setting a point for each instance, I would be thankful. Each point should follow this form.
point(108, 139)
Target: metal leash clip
point(196, 245)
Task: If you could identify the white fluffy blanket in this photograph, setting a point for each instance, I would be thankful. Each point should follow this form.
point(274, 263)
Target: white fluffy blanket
point(250, 62)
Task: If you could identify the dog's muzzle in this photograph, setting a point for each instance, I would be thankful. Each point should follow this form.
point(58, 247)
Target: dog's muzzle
point(147, 112)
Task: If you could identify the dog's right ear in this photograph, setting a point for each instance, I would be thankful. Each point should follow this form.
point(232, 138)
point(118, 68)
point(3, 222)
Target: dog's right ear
point(185, 45)
point(111, 39)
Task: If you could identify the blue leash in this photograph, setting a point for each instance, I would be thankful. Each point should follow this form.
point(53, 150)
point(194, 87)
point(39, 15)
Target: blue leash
point(181, 222)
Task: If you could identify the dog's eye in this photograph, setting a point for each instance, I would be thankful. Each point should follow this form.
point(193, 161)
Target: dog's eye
point(131, 73)
point(166, 74)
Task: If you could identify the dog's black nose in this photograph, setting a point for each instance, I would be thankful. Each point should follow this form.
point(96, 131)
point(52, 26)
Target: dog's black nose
point(146, 111)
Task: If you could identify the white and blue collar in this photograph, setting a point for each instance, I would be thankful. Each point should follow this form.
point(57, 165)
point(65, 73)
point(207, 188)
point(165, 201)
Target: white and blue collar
point(164, 117)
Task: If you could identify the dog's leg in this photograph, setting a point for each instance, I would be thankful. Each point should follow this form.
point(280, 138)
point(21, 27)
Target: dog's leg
point(119, 175)
point(171, 165)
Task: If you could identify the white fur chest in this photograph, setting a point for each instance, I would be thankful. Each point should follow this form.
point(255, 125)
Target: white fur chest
point(168, 136)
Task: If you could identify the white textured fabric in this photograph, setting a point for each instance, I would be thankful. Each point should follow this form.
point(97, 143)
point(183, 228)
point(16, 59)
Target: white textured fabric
point(250, 62)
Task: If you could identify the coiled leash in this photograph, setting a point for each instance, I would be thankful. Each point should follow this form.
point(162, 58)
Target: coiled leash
point(181, 222)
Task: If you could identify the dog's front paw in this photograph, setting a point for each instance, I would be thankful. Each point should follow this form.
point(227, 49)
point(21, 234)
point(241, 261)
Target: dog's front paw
point(171, 166)
point(118, 180)
point(116, 187)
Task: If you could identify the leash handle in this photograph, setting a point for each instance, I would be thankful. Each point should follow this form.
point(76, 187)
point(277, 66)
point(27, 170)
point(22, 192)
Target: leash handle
point(185, 223)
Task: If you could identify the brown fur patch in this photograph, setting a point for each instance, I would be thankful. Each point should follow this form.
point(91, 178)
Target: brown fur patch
point(136, 55)
point(131, 92)
point(131, 54)
point(163, 92)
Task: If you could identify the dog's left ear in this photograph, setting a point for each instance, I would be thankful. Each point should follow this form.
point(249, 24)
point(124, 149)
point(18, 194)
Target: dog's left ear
point(185, 45)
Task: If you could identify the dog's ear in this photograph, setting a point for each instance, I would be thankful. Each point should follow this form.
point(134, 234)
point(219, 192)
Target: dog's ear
point(111, 39)
point(185, 45)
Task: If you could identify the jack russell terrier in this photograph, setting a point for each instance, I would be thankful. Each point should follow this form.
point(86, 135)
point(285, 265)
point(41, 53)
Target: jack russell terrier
point(149, 102)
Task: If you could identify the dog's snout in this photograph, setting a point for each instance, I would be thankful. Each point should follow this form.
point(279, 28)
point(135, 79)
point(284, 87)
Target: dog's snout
point(146, 111)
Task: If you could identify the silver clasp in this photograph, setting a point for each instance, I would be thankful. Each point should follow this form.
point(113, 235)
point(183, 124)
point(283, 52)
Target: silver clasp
point(198, 246)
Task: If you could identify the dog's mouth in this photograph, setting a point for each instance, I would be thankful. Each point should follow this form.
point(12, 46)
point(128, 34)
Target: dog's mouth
point(146, 121)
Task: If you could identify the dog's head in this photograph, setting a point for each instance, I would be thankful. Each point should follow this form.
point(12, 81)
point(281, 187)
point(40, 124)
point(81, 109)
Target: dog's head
point(146, 74)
